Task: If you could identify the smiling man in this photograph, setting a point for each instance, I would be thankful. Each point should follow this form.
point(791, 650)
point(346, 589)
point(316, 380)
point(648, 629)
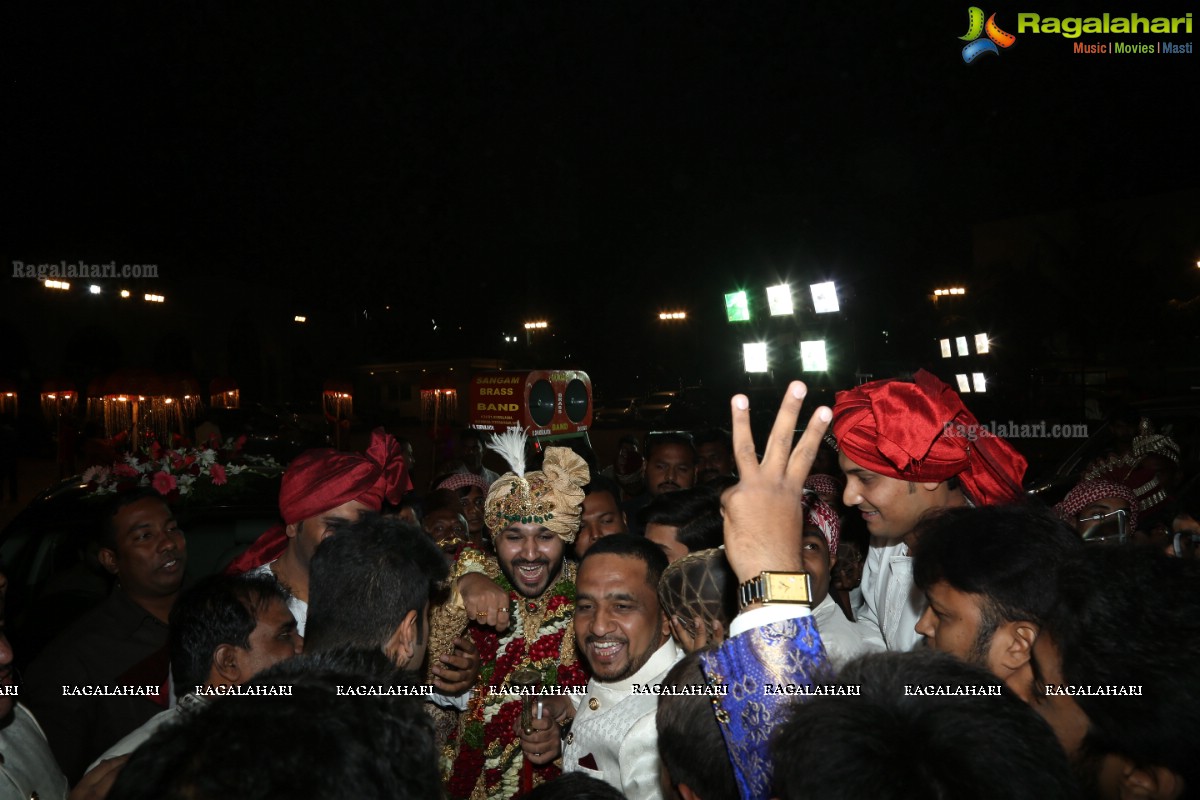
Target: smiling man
point(908, 449)
point(624, 635)
point(533, 517)
point(122, 643)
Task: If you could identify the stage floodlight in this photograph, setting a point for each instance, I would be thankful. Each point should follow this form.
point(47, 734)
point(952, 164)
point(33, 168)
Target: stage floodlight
point(812, 356)
point(825, 299)
point(755, 354)
point(737, 307)
point(979, 381)
point(960, 344)
point(945, 343)
point(779, 298)
point(964, 384)
point(94, 289)
point(982, 345)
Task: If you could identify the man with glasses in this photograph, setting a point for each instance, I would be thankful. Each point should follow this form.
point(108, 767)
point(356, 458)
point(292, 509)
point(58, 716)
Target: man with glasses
point(1101, 512)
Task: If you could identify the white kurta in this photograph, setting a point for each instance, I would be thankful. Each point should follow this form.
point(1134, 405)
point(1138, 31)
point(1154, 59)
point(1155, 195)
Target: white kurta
point(616, 727)
point(842, 638)
point(27, 767)
point(892, 603)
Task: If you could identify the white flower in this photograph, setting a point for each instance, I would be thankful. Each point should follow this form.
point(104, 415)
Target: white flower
point(97, 474)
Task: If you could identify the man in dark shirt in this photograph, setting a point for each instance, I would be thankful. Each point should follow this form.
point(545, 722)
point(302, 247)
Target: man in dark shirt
point(107, 673)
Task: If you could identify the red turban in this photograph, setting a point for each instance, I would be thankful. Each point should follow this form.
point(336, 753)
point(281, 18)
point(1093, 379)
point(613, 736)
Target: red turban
point(319, 480)
point(922, 432)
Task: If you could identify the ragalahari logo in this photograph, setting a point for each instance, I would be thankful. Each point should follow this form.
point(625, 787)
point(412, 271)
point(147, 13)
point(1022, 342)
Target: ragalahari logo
point(976, 27)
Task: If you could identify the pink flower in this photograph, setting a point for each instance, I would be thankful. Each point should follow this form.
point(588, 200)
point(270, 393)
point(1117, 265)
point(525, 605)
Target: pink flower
point(240, 443)
point(217, 472)
point(163, 483)
point(125, 471)
point(155, 451)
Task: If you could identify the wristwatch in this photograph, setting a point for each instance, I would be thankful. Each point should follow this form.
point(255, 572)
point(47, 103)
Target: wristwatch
point(775, 587)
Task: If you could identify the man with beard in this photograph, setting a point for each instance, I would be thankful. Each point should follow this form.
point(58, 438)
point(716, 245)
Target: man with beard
point(989, 576)
point(670, 467)
point(908, 449)
point(532, 518)
point(624, 635)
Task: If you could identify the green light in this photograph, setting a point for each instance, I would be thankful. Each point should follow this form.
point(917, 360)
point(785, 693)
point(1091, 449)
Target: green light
point(737, 307)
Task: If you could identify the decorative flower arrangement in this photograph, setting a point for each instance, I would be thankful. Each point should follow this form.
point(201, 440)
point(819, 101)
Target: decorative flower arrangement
point(185, 473)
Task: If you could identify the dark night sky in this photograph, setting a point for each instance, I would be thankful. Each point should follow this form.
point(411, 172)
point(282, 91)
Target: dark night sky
point(492, 161)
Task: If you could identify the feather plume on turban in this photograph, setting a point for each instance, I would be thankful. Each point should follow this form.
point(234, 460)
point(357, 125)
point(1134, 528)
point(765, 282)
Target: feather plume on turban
point(551, 497)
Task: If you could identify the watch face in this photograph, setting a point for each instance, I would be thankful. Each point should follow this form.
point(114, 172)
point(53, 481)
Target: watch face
point(788, 587)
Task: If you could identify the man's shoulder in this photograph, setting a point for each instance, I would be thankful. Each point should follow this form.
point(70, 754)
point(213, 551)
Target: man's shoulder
point(89, 631)
point(140, 735)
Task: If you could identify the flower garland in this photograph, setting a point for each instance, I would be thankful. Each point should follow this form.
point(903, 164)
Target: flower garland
point(489, 759)
point(187, 473)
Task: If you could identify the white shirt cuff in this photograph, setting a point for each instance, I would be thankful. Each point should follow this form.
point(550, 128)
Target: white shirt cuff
point(765, 615)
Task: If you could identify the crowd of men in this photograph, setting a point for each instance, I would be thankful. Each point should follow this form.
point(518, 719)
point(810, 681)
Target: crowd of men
point(683, 627)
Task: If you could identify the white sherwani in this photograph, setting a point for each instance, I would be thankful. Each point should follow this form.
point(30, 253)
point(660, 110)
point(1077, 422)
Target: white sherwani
point(892, 603)
point(616, 727)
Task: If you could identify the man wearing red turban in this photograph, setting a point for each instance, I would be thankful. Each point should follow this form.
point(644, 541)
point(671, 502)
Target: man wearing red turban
point(908, 449)
point(319, 488)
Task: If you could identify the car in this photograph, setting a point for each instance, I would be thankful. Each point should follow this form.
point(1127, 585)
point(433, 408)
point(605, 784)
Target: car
point(1177, 417)
point(652, 409)
point(279, 433)
point(50, 550)
point(697, 408)
point(620, 411)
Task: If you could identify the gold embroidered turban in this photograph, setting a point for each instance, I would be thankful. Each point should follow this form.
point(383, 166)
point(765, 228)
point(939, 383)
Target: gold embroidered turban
point(551, 497)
